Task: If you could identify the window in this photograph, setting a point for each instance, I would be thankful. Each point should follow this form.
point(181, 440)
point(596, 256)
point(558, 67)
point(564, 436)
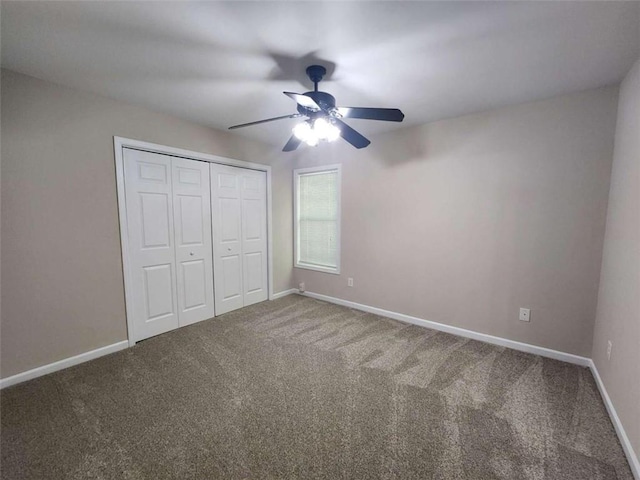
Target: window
point(317, 218)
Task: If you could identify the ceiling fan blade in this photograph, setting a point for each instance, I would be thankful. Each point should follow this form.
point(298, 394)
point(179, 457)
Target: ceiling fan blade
point(304, 101)
point(350, 135)
point(292, 144)
point(293, 115)
point(386, 114)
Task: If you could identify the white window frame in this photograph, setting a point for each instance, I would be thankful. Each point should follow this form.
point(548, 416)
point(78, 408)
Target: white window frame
point(296, 201)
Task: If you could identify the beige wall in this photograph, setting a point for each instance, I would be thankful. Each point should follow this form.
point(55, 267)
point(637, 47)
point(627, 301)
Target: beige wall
point(463, 221)
point(618, 313)
point(460, 221)
point(61, 266)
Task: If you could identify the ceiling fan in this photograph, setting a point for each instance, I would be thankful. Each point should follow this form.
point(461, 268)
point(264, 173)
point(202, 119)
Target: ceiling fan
point(323, 119)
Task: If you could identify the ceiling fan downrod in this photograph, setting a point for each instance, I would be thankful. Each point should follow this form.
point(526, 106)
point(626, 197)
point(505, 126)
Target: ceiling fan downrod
point(315, 74)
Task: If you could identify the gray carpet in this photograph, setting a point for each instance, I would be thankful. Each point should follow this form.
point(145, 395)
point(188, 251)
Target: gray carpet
point(298, 388)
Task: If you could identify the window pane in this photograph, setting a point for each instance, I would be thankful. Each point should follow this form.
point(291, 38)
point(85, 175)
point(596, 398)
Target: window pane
point(318, 219)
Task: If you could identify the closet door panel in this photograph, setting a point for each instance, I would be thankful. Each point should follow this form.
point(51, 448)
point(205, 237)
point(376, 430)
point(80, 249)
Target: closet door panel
point(226, 207)
point(231, 273)
point(254, 236)
point(194, 258)
point(150, 222)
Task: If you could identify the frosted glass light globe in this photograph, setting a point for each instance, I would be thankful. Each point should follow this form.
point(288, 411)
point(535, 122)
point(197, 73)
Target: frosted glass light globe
point(312, 138)
point(333, 133)
point(302, 131)
point(321, 127)
point(326, 130)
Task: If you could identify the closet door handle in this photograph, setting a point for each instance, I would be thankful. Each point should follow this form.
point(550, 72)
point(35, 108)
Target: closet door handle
point(191, 253)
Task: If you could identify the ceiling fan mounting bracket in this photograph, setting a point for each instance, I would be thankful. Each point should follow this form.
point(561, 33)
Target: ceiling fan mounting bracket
point(316, 72)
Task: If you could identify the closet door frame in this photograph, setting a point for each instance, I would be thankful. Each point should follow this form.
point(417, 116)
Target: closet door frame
point(119, 144)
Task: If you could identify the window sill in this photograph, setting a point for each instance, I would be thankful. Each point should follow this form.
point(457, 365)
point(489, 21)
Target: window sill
point(333, 271)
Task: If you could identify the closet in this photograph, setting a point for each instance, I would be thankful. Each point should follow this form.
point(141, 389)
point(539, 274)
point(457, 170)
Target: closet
point(197, 240)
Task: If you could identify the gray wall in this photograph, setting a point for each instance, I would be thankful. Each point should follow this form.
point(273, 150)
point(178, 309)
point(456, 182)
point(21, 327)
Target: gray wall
point(618, 314)
point(62, 289)
point(463, 221)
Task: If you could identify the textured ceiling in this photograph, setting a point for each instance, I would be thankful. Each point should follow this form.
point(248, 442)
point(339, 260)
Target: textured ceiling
point(222, 63)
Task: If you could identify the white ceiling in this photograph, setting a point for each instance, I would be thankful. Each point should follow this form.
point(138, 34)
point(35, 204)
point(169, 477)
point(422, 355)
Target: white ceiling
point(223, 63)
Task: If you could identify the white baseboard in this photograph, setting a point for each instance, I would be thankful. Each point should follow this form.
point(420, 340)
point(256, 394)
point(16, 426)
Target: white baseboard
point(284, 293)
point(634, 463)
point(62, 364)
point(483, 337)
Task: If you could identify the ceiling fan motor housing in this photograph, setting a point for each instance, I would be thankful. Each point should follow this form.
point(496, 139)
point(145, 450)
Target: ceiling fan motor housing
point(326, 101)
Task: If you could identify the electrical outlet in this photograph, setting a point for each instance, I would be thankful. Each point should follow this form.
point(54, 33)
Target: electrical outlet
point(301, 286)
point(525, 314)
point(609, 347)
point(349, 282)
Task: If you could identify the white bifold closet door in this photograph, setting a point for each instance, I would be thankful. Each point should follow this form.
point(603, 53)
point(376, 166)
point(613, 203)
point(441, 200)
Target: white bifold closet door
point(194, 258)
point(239, 207)
point(169, 223)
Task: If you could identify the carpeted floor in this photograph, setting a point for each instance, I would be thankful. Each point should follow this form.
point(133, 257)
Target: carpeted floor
point(298, 388)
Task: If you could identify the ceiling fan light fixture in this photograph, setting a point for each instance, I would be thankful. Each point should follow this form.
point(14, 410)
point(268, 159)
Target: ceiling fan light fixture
point(306, 133)
point(313, 132)
point(325, 130)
